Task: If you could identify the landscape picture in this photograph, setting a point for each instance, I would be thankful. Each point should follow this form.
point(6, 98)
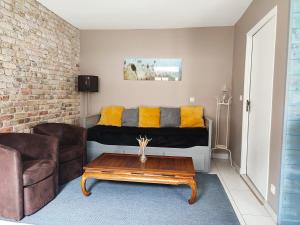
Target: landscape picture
point(163, 69)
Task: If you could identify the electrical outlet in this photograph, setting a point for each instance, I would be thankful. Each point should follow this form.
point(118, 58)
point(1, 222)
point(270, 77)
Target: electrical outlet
point(273, 189)
point(241, 98)
point(192, 99)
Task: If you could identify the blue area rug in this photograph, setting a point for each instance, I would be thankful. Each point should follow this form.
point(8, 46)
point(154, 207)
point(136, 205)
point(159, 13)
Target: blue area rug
point(116, 203)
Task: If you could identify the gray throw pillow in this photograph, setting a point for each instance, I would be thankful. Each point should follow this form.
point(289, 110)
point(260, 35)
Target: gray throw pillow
point(130, 118)
point(169, 117)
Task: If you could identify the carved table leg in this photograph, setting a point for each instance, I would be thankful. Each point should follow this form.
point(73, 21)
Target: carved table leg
point(83, 188)
point(192, 183)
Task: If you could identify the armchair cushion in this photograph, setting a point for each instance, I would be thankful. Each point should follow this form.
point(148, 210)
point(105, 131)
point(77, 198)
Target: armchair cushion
point(36, 170)
point(70, 152)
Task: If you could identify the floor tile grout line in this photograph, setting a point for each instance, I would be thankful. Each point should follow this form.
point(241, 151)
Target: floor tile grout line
point(230, 197)
point(245, 190)
point(248, 189)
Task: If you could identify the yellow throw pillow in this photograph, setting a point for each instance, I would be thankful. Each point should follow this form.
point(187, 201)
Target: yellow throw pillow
point(192, 116)
point(149, 117)
point(111, 116)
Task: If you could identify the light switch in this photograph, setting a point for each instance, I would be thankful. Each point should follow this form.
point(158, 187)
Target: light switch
point(241, 98)
point(273, 189)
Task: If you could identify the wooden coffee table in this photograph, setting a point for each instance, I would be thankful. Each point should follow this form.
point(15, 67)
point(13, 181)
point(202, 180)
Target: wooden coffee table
point(157, 169)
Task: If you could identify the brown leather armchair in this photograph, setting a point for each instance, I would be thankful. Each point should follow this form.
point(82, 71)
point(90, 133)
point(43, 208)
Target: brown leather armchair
point(72, 148)
point(28, 173)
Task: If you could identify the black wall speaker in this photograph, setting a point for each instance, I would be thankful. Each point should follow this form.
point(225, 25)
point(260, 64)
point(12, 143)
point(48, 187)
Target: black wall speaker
point(88, 83)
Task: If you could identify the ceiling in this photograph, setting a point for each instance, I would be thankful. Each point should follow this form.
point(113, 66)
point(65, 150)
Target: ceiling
point(148, 14)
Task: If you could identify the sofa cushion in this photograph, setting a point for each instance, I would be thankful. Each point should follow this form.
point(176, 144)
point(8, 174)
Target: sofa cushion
point(149, 117)
point(172, 137)
point(70, 152)
point(130, 118)
point(191, 116)
point(37, 170)
point(169, 117)
point(111, 116)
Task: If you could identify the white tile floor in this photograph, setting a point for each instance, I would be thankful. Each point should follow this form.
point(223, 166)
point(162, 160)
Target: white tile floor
point(248, 210)
point(246, 206)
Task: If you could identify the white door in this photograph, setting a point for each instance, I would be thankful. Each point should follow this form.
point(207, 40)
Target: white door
point(260, 107)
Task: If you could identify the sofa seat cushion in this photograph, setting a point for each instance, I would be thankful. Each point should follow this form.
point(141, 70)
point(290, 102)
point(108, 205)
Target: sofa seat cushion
point(36, 170)
point(172, 137)
point(70, 152)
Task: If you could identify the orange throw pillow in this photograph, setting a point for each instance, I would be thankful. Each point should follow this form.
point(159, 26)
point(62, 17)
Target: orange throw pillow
point(191, 116)
point(111, 116)
point(149, 117)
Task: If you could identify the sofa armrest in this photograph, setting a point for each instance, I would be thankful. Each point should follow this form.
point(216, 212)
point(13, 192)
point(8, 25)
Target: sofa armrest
point(89, 121)
point(11, 183)
point(209, 127)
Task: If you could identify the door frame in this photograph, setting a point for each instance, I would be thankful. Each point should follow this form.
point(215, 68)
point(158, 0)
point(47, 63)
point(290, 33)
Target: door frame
point(247, 81)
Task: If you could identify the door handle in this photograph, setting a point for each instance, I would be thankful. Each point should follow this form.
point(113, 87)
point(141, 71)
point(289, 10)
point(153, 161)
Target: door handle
point(247, 105)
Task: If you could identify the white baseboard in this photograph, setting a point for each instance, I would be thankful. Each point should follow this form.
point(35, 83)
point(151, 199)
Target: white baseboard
point(220, 155)
point(271, 212)
point(265, 204)
point(236, 167)
point(260, 198)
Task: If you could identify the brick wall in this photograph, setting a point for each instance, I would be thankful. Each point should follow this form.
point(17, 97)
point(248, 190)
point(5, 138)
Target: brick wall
point(39, 63)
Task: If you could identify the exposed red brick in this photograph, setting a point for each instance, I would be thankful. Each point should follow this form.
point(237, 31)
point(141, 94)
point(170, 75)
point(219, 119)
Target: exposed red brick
point(4, 98)
point(26, 91)
point(33, 114)
point(39, 83)
point(43, 112)
point(6, 130)
point(6, 117)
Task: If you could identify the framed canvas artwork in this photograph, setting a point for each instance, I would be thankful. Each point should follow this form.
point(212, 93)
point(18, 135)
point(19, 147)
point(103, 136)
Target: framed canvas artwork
point(163, 69)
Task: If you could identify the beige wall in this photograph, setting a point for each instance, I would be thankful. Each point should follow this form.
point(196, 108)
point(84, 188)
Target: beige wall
point(39, 64)
point(257, 10)
point(207, 64)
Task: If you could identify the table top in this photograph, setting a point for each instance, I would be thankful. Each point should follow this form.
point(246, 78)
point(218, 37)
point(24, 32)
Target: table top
point(123, 163)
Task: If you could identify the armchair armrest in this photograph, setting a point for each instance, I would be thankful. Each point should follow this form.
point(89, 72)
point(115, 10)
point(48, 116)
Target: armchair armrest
point(11, 183)
point(81, 137)
point(82, 134)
